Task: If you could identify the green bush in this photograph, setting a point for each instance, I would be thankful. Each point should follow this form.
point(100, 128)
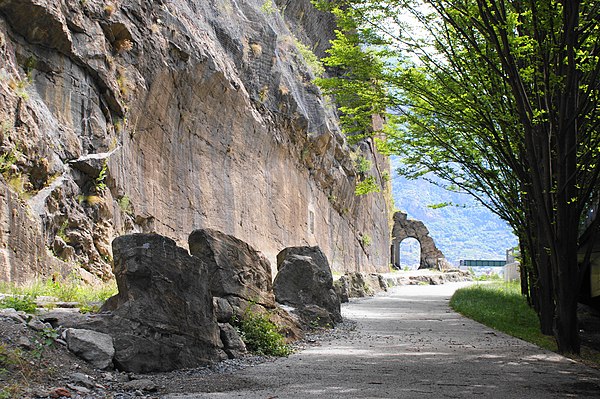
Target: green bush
point(366, 186)
point(260, 334)
point(362, 164)
point(25, 303)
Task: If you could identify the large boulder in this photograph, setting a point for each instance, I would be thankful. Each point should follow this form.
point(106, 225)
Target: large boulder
point(236, 271)
point(304, 281)
point(162, 318)
point(358, 285)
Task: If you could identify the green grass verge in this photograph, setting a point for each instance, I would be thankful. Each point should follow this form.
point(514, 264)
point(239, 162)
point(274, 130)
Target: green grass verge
point(70, 289)
point(502, 307)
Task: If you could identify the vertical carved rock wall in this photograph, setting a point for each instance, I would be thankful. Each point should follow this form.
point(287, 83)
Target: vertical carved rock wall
point(134, 116)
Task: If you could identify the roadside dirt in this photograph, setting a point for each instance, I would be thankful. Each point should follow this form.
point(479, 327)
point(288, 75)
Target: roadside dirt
point(404, 343)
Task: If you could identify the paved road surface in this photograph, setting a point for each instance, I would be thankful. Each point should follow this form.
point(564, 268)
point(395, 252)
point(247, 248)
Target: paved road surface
point(409, 344)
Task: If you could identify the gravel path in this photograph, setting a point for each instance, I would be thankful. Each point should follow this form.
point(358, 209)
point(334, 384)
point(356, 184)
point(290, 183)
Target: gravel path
point(407, 343)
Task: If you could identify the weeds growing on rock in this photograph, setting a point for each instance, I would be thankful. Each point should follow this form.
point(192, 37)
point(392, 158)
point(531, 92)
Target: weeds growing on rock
point(125, 204)
point(362, 164)
point(313, 62)
point(21, 368)
point(260, 334)
point(12, 362)
point(100, 182)
point(7, 160)
point(123, 45)
point(368, 185)
point(366, 240)
point(268, 7)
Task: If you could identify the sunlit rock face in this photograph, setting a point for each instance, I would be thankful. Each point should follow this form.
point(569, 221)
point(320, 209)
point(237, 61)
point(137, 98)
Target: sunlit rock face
point(166, 117)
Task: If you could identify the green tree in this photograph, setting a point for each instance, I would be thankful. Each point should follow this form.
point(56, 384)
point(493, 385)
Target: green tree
point(499, 98)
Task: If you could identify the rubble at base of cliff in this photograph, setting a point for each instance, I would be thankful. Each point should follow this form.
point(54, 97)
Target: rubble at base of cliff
point(47, 369)
point(36, 362)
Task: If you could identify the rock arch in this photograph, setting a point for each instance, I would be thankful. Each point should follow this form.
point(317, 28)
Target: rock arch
point(431, 256)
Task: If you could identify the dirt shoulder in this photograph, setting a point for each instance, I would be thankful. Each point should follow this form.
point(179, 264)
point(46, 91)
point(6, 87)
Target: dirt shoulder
point(406, 342)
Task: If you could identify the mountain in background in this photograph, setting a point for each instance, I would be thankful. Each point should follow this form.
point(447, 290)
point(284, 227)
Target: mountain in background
point(466, 231)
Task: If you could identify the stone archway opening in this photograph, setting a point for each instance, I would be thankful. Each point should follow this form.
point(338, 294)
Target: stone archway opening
point(431, 257)
point(410, 254)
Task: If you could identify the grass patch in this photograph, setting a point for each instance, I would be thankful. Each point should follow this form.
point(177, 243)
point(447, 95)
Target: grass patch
point(24, 303)
point(502, 307)
point(70, 289)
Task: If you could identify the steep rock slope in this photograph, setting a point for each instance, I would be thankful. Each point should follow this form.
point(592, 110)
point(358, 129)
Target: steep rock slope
point(168, 116)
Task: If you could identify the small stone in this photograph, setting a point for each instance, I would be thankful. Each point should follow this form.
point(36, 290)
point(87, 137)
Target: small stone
point(231, 338)
point(140, 385)
point(123, 377)
point(18, 316)
point(79, 388)
point(24, 342)
point(37, 325)
point(56, 393)
point(82, 379)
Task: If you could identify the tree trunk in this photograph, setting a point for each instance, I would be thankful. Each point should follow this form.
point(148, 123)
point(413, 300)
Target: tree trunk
point(546, 302)
point(566, 328)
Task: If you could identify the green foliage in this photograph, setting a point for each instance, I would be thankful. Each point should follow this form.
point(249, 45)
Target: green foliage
point(268, 7)
point(20, 87)
point(439, 205)
point(366, 240)
point(501, 306)
point(48, 335)
point(360, 87)
point(362, 164)
point(15, 179)
point(261, 335)
point(499, 100)
point(366, 186)
point(385, 176)
point(6, 161)
point(488, 277)
point(21, 303)
point(125, 204)
point(19, 368)
point(70, 289)
point(100, 182)
point(310, 58)
point(62, 231)
point(13, 363)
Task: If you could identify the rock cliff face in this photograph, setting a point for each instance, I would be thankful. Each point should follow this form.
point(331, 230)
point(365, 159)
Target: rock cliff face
point(168, 116)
